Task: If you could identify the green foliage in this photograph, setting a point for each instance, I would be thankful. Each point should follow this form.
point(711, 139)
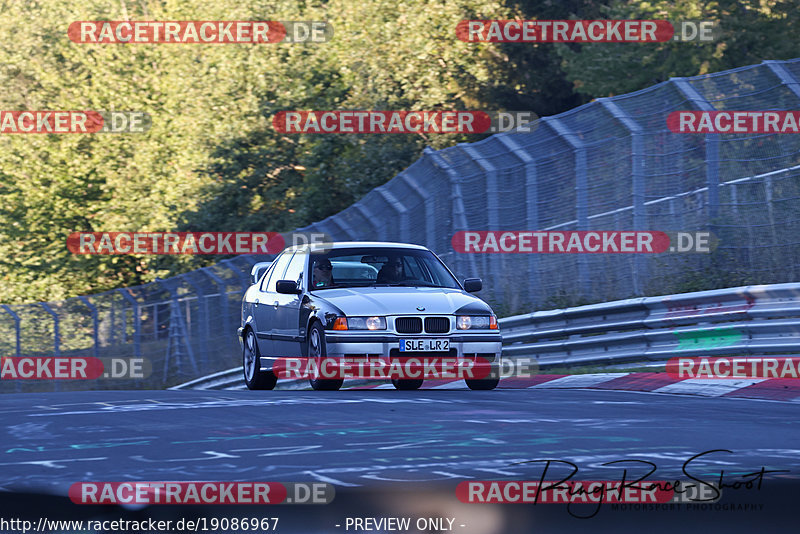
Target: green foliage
point(213, 161)
point(751, 31)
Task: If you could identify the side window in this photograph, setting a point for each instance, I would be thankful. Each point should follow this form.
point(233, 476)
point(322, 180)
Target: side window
point(296, 267)
point(277, 272)
point(265, 278)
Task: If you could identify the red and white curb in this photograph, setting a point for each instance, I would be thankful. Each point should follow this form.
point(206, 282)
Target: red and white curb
point(772, 389)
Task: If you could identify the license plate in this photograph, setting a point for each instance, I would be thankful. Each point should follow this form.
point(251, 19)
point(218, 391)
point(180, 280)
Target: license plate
point(424, 345)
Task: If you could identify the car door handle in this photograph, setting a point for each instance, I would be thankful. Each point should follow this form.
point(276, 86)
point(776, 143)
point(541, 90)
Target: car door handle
point(276, 305)
point(255, 302)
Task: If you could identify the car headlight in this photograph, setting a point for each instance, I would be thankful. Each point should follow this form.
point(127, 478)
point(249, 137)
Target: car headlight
point(476, 322)
point(365, 323)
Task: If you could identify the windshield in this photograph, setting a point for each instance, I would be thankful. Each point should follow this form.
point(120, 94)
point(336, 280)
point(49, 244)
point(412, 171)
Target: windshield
point(379, 267)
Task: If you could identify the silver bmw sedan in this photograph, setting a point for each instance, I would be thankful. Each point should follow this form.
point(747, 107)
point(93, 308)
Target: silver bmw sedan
point(364, 302)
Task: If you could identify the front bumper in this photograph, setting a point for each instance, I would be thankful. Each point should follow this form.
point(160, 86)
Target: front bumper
point(383, 344)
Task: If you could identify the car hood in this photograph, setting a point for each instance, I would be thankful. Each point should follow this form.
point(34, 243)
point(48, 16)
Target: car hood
point(402, 301)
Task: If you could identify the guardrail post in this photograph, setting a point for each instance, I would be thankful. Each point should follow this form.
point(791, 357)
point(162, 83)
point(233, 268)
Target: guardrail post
point(531, 206)
point(93, 310)
point(638, 189)
point(16, 327)
point(459, 217)
point(581, 194)
point(137, 322)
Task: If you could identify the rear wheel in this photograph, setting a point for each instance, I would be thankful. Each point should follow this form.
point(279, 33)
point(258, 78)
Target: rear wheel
point(317, 350)
point(254, 377)
point(406, 385)
point(483, 384)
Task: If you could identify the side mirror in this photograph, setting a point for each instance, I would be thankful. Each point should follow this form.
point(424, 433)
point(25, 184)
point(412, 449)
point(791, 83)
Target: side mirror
point(473, 285)
point(288, 287)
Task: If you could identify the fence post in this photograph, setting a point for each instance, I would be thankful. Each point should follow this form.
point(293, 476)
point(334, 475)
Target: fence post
point(244, 277)
point(56, 332)
point(531, 208)
point(324, 225)
point(93, 310)
point(402, 212)
point(344, 228)
point(581, 194)
point(223, 295)
point(137, 322)
point(427, 202)
point(202, 307)
point(492, 209)
point(459, 217)
point(177, 329)
point(16, 326)
point(638, 187)
point(712, 148)
point(380, 230)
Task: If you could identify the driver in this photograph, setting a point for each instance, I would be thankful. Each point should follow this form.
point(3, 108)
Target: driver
point(392, 271)
point(322, 273)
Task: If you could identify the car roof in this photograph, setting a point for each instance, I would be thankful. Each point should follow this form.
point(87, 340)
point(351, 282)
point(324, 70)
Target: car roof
point(316, 247)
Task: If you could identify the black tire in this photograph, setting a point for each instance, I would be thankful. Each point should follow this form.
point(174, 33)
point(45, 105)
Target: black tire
point(406, 384)
point(315, 348)
point(254, 377)
point(483, 384)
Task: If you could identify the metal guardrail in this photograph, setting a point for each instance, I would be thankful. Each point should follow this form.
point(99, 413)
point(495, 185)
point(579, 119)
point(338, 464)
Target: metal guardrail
point(735, 321)
point(741, 320)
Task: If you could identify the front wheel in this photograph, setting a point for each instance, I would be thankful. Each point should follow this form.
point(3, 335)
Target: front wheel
point(254, 377)
point(318, 351)
point(406, 385)
point(483, 384)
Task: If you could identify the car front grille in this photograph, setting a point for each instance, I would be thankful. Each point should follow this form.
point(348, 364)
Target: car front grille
point(437, 325)
point(408, 325)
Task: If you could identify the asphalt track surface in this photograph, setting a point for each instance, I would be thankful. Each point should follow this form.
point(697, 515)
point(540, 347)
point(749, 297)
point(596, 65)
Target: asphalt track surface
point(393, 452)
